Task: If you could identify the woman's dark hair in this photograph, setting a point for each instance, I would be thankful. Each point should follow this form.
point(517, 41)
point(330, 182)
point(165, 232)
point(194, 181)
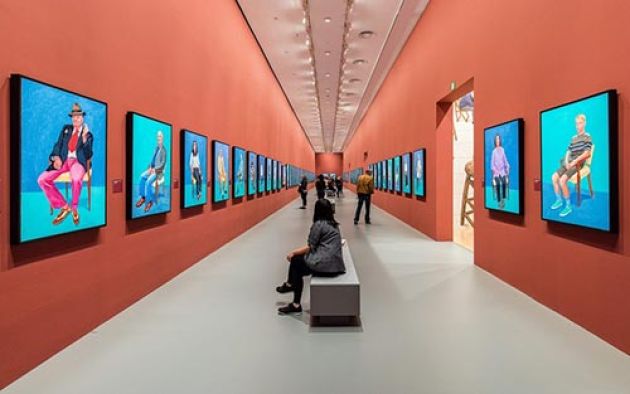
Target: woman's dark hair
point(195, 148)
point(500, 140)
point(321, 177)
point(324, 211)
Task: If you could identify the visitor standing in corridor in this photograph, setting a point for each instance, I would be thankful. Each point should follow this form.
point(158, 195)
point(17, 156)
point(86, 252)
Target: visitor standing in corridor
point(320, 186)
point(365, 189)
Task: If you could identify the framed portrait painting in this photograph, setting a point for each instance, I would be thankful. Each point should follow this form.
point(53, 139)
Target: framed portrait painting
point(238, 167)
point(397, 180)
point(274, 176)
point(252, 173)
point(262, 171)
point(384, 175)
point(503, 167)
point(578, 145)
point(419, 172)
point(194, 169)
point(149, 163)
point(220, 171)
point(390, 174)
point(58, 160)
point(406, 173)
point(269, 174)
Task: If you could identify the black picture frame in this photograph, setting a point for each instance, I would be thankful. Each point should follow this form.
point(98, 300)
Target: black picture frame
point(613, 136)
point(236, 149)
point(129, 166)
point(183, 165)
point(520, 122)
point(424, 174)
point(15, 152)
point(251, 192)
point(228, 172)
point(262, 175)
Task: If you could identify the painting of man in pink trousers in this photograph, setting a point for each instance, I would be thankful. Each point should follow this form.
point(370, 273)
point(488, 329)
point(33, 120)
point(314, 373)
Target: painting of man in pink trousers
point(70, 154)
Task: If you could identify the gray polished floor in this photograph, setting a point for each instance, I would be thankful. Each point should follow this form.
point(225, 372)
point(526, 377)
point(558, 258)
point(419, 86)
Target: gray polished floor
point(431, 323)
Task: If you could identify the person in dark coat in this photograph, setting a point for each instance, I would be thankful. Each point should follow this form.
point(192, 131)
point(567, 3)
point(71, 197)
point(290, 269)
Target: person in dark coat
point(320, 186)
point(70, 154)
point(322, 256)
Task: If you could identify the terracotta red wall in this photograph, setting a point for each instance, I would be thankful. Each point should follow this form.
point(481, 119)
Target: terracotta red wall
point(197, 66)
point(524, 56)
point(328, 162)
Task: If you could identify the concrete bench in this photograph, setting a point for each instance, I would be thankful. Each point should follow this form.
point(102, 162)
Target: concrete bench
point(337, 300)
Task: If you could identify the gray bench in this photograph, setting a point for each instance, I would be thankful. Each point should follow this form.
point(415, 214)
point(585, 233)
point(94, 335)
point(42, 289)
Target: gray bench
point(337, 300)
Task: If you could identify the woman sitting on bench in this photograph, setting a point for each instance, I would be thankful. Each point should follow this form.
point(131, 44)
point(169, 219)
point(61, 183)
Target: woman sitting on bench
point(321, 257)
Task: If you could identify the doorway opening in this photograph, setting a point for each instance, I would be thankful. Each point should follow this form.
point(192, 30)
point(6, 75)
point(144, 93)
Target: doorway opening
point(455, 186)
point(463, 171)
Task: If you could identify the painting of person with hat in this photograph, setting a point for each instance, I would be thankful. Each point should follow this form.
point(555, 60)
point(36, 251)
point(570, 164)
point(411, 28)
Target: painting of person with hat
point(70, 154)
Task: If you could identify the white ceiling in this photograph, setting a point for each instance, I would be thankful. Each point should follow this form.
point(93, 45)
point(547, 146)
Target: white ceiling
point(331, 56)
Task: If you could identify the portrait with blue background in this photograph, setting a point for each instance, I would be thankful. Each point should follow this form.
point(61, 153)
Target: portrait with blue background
point(383, 175)
point(269, 174)
point(252, 173)
point(261, 173)
point(419, 172)
point(43, 112)
point(274, 176)
point(152, 187)
point(194, 168)
point(397, 183)
point(390, 174)
point(239, 172)
point(558, 128)
point(220, 171)
point(406, 173)
point(503, 167)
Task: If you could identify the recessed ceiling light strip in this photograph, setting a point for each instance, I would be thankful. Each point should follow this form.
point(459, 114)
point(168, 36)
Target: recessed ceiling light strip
point(311, 49)
point(355, 120)
point(344, 52)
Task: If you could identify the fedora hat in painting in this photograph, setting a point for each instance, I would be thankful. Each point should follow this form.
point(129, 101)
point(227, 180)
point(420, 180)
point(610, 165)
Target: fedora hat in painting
point(76, 110)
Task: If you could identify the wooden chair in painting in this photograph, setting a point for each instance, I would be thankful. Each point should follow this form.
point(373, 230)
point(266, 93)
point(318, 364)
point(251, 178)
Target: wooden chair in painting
point(157, 183)
point(584, 171)
point(67, 181)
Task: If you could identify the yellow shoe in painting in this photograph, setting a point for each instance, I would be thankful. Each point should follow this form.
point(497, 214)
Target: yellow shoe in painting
point(61, 216)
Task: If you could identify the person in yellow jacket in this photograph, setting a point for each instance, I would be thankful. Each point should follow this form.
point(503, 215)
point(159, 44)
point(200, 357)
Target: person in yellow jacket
point(365, 189)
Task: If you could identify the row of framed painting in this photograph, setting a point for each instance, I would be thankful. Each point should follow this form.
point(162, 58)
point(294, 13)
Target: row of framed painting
point(403, 174)
point(578, 184)
point(59, 164)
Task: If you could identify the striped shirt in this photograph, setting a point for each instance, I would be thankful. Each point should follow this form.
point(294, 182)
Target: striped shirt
point(579, 144)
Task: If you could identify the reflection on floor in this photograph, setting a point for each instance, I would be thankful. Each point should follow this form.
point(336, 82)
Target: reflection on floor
point(432, 323)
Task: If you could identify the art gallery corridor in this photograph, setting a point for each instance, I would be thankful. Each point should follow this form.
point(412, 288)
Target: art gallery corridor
point(431, 322)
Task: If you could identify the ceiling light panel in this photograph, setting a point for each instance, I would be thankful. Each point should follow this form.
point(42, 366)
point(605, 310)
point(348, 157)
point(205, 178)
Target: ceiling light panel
point(282, 28)
point(327, 28)
point(331, 56)
point(402, 24)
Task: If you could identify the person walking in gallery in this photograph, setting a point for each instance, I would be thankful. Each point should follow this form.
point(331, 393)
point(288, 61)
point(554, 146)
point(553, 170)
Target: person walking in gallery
point(322, 256)
point(365, 189)
point(339, 185)
point(146, 188)
point(578, 151)
point(195, 169)
point(303, 190)
point(320, 187)
point(70, 154)
point(500, 171)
